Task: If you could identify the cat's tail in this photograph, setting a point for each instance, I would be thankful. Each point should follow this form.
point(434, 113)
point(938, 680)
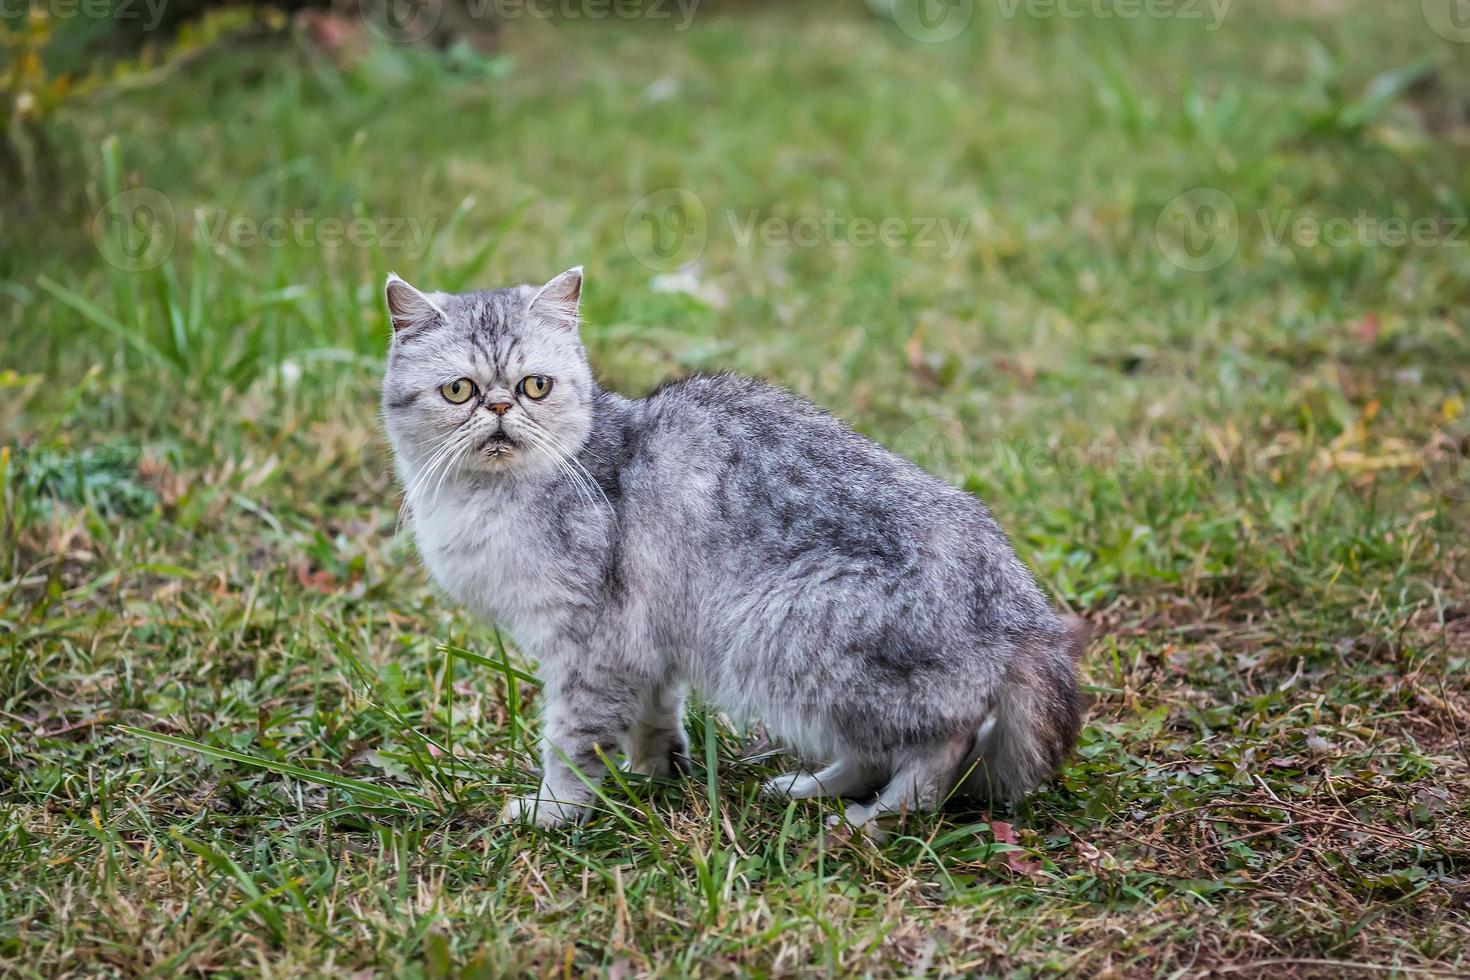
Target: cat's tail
point(1034, 719)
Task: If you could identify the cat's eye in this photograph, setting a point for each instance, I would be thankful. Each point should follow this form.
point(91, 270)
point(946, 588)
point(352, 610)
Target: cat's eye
point(535, 386)
point(458, 392)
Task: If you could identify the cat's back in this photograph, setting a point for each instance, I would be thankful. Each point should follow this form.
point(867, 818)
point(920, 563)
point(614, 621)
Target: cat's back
point(732, 408)
point(786, 506)
point(738, 422)
point(776, 468)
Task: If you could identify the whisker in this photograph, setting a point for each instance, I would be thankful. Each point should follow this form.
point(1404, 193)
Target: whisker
point(572, 459)
point(452, 463)
point(542, 441)
point(442, 461)
point(433, 455)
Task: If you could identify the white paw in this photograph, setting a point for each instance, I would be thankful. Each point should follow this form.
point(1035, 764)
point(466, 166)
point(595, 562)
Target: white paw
point(792, 786)
point(542, 812)
point(855, 815)
point(857, 821)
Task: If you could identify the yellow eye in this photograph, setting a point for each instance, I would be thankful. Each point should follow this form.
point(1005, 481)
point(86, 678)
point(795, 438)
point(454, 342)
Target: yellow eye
point(536, 386)
point(458, 392)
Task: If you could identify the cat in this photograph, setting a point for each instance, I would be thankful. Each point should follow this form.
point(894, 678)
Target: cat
point(724, 534)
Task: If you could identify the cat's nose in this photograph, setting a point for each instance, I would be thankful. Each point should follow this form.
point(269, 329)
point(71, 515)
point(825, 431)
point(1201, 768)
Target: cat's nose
point(499, 408)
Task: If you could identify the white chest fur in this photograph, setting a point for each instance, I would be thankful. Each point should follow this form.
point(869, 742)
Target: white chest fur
point(490, 556)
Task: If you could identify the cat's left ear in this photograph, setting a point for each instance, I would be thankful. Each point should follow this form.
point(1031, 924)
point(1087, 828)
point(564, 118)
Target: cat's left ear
point(559, 300)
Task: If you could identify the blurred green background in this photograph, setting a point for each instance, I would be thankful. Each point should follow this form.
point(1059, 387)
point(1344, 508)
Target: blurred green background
point(1181, 289)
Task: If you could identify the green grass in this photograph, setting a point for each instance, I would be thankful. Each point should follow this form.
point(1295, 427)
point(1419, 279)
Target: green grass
point(240, 733)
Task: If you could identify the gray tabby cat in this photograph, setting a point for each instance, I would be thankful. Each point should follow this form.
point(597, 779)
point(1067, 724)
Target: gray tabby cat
point(724, 534)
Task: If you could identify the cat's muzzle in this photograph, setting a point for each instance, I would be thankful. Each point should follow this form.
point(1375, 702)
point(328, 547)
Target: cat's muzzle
point(497, 446)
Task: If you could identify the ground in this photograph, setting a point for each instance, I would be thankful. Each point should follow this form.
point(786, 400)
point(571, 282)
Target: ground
point(1084, 266)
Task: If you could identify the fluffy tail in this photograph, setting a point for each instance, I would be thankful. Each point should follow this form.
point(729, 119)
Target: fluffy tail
point(1034, 719)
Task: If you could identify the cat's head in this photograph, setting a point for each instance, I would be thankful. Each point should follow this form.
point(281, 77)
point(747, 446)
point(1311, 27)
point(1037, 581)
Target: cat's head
point(492, 382)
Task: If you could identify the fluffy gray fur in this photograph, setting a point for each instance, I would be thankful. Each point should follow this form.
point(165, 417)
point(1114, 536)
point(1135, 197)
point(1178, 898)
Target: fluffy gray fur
point(725, 534)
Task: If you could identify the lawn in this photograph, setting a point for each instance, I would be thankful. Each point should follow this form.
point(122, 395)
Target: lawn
point(1184, 299)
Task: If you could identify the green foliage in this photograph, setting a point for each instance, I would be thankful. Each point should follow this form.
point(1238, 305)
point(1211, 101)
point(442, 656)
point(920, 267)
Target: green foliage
point(239, 731)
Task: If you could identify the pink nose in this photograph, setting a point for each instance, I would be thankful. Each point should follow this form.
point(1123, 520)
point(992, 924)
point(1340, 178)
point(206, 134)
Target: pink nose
point(499, 408)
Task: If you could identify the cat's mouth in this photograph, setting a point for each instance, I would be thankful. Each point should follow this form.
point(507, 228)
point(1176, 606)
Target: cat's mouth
point(497, 446)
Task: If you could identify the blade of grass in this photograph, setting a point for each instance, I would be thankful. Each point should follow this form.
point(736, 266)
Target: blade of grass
point(106, 322)
point(347, 784)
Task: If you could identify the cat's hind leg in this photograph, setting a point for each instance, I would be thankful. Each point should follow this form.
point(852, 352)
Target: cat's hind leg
point(922, 778)
point(845, 777)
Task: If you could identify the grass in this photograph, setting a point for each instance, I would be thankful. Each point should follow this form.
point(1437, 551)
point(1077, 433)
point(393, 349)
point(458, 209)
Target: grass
point(239, 732)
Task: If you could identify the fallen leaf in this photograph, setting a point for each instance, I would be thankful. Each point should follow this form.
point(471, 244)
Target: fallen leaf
point(318, 581)
point(1005, 833)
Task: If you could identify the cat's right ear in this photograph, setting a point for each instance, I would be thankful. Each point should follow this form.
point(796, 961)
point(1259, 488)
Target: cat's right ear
point(410, 310)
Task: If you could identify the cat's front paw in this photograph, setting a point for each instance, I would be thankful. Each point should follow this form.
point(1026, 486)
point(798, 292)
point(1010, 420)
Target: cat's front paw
point(791, 786)
point(542, 812)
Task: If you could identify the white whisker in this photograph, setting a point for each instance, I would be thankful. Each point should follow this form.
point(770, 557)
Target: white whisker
point(574, 470)
point(441, 461)
point(432, 455)
point(574, 461)
point(542, 440)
